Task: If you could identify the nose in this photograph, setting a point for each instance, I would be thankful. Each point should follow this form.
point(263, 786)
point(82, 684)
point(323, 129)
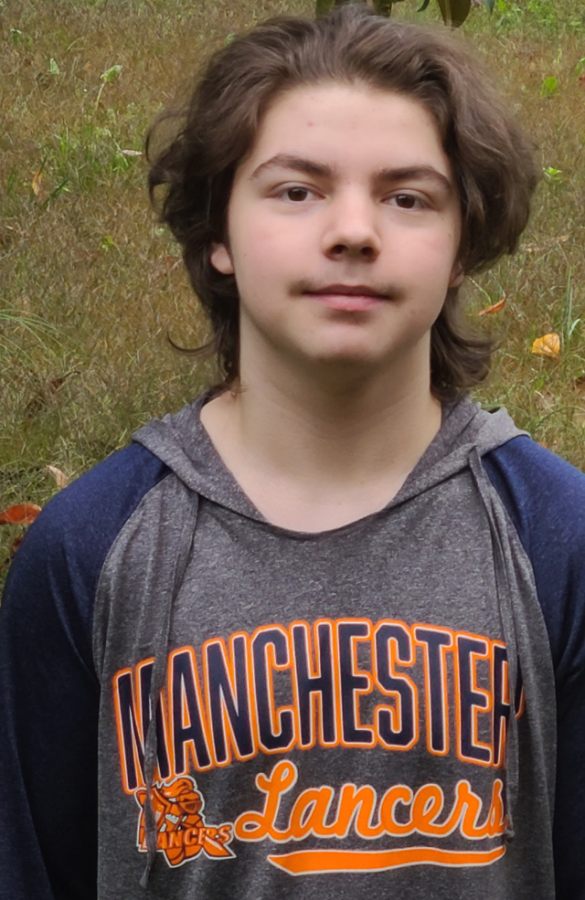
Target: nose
point(351, 230)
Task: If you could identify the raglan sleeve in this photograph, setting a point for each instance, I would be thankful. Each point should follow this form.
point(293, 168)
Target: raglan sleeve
point(49, 690)
point(545, 498)
point(48, 709)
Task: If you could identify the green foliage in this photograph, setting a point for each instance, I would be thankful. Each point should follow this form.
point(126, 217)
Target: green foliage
point(549, 86)
point(454, 12)
point(552, 174)
point(111, 74)
point(539, 16)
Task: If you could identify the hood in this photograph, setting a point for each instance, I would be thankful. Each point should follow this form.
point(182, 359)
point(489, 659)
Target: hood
point(182, 443)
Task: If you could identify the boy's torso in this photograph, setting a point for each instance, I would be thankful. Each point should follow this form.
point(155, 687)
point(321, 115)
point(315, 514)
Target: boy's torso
point(335, 711)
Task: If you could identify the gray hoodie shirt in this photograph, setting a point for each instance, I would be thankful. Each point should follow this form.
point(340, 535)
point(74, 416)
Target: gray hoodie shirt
point(364, 711)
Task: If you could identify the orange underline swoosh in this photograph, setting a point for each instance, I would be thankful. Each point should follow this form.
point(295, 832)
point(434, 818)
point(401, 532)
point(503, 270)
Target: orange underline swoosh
point(304, 862)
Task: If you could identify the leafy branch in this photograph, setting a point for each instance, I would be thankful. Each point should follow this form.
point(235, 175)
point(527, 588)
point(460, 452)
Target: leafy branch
point(454, 12)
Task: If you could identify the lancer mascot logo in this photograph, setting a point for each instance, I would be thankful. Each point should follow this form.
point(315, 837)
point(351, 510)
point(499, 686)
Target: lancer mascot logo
point(181, 830)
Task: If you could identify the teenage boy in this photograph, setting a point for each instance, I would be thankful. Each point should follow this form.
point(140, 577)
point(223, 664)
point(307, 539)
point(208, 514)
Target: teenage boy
point(350, 602)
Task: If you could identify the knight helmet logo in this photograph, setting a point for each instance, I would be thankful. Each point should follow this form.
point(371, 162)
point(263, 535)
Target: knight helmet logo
point(181, 831)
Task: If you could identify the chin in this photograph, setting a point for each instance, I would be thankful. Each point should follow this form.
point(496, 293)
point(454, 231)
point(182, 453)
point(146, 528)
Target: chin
point(348, 364)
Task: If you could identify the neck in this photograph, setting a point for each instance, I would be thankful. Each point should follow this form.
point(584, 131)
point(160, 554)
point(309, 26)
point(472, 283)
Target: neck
point(337, 429)
point(320, 439)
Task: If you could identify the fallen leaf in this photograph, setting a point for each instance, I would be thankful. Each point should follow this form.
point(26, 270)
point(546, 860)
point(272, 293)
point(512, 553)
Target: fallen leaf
point(53, 386)
point(545, 400)
point(21, 514)
point(37, 185)
point(551, 242)
point(15, 545)
point(131, 152)
point(579, 416)
point(547, 345)
point(166, 264)
point(46, 394)
point(494, 308)
point(60, 477)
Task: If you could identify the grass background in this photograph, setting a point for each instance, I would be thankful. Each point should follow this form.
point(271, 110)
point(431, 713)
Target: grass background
point(91, 286)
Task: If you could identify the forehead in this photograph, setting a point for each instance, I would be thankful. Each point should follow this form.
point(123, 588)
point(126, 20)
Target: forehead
point(348, 127)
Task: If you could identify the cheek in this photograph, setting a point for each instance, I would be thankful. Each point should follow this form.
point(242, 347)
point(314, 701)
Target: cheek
point(263, 254)
point(258, 276)
point(433, 259)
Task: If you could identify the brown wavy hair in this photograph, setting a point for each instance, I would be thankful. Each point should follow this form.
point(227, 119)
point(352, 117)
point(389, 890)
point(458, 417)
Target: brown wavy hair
point(216, 128)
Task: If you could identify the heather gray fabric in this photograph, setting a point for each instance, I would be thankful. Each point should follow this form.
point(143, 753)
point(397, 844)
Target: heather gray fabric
point(377, 777)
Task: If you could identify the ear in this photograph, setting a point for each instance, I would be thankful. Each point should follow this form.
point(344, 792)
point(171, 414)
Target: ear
point(221, 259)
point(457, 275)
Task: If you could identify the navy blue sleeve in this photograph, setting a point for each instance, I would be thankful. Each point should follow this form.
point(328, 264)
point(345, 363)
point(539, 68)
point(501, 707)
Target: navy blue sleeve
point(545, 498)
point(49, 692)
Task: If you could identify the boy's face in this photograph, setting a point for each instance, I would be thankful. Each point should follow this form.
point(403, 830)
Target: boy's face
point(343, 228)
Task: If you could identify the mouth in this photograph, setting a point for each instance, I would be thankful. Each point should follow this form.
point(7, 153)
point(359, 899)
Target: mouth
point(350, 298)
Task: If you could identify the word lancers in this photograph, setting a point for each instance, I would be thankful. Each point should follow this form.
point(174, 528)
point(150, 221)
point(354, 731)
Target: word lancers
point(398, 812)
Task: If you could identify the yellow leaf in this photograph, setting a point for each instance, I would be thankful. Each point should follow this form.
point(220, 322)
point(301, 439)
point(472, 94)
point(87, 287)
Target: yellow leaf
point(60, 477)
point(37, 183)
point(494, 308)
point(547, 345)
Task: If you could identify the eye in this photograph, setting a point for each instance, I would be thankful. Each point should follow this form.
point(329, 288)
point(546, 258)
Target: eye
point(296, 194)
point(407, 201)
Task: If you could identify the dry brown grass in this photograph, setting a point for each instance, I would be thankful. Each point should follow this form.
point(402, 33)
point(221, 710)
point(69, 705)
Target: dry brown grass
point(81, 250)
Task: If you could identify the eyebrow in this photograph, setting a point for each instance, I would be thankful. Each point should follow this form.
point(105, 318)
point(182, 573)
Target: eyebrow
point(384, 176)
point(297, 164)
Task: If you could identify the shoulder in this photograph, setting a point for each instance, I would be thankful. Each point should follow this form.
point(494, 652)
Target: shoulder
point(531, 479)
point(58, 565)
point(98, 502)
point(545, 498)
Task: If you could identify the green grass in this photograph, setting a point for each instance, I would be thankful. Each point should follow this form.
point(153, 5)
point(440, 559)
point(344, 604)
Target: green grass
point(91, 285)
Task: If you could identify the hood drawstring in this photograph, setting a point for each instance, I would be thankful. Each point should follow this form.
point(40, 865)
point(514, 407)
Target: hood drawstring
point(503, 594)
point(188, 510)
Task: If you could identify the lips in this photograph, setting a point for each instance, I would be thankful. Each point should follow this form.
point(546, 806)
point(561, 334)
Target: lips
point(357, 290)
point(350, 298)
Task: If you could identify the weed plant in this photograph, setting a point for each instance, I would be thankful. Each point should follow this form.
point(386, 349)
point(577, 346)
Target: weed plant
point(91, 286)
